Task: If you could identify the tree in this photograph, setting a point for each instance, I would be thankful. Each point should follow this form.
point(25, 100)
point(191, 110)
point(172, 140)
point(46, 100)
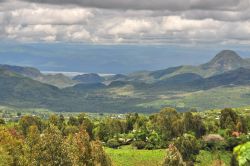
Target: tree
point(87, 125)
point(54, 119)
point(188, 146)
point(163, 122)
point(199, 127)
point(98, 154)
point(10, 146)
point(52, 149)
point(73, 121)
point(57, 121)
point(241, 125)
point(194, 124)
point(228, 119)
point(188, 121)
point(101, 132)
point(81, 117)
point(26, 121)
point(32, 148)
point(173, 157)
point(2, 122)
point(79, 149)
point(130, 121)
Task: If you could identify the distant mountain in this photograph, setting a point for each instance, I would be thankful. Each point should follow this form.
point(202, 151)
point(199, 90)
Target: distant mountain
point(240, 76)
point(143, 91)
point(58, 80)
point(89, 78)
point(181, 81)
point(87, 87)
point(18, 90)
point(224, 61)
point(117, 77)
point(191, 81)
point(25, 71)
point(161, 73)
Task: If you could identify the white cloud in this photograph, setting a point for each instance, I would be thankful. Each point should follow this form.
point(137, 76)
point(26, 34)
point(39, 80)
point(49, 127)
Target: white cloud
point(194, 21)
point(49, 15)
point(176, 23)
point(131, 26)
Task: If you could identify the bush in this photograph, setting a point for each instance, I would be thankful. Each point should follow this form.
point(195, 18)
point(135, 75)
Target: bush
point(2, 121)
point(231, 142)
point(150, 146)
point(241, 155)
point(173, 157)
point(213, 142)
point(113, 143)
point(139, 144)
point(188, 146)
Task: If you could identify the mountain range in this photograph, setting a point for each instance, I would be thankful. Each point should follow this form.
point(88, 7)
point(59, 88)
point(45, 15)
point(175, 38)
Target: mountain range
point(182, 87)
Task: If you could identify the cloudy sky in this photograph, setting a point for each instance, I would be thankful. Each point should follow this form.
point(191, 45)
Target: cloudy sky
point(192, 27)
point(130, 21)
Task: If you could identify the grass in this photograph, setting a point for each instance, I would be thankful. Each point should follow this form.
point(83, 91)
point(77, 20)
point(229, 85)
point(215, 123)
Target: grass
point(206, 158)
point(219, 97)
point(127, 156)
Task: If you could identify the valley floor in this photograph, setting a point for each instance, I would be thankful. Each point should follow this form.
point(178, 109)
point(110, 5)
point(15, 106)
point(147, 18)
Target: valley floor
point(127, 156)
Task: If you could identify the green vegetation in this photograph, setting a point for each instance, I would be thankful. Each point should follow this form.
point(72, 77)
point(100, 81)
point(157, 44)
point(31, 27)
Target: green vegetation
point(207, 158)
point(167, 138)
point(222, 82)
point(242, 154)
point(128, 156)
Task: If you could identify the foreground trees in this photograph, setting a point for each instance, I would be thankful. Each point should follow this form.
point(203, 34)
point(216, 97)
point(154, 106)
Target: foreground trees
point(79, 140)
point(50, 148)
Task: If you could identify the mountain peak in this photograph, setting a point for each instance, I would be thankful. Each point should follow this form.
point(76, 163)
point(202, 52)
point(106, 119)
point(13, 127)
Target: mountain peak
point(227, 55)
point(224, 61)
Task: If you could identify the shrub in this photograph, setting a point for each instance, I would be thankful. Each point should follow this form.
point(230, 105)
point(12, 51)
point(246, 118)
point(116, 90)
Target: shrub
point(139, 144)
point(233, 141)
point(113, 143)
point(213, 142)
point(242, 155)
point(2, 121)
point(173, 157)
point(188, 146)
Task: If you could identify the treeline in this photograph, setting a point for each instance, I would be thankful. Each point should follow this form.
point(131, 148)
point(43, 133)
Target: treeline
point(34, 141)
point(79, 140)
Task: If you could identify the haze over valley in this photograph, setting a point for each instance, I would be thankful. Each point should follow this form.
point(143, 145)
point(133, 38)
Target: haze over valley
point(222, 82)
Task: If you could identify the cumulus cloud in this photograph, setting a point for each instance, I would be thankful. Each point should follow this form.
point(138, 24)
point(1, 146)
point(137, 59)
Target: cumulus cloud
point(131, 26)
point(38, 15)
point(143, 21)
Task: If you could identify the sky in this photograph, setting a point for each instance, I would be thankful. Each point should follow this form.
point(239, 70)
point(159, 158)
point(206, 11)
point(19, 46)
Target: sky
point(120, 36)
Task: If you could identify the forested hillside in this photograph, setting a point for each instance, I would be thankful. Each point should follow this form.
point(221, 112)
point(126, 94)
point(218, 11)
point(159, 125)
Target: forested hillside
point(222, 82)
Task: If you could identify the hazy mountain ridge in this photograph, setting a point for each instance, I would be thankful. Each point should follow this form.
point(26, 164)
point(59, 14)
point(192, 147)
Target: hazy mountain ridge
point(136, 92)
point(224, 61)
point(88, 78)
point(58, 80)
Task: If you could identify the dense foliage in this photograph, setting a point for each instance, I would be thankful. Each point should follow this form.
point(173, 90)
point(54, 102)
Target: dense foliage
point(79, 139)
point(37, 142)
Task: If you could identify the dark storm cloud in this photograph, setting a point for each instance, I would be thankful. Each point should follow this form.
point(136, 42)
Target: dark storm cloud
point(172, 5)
